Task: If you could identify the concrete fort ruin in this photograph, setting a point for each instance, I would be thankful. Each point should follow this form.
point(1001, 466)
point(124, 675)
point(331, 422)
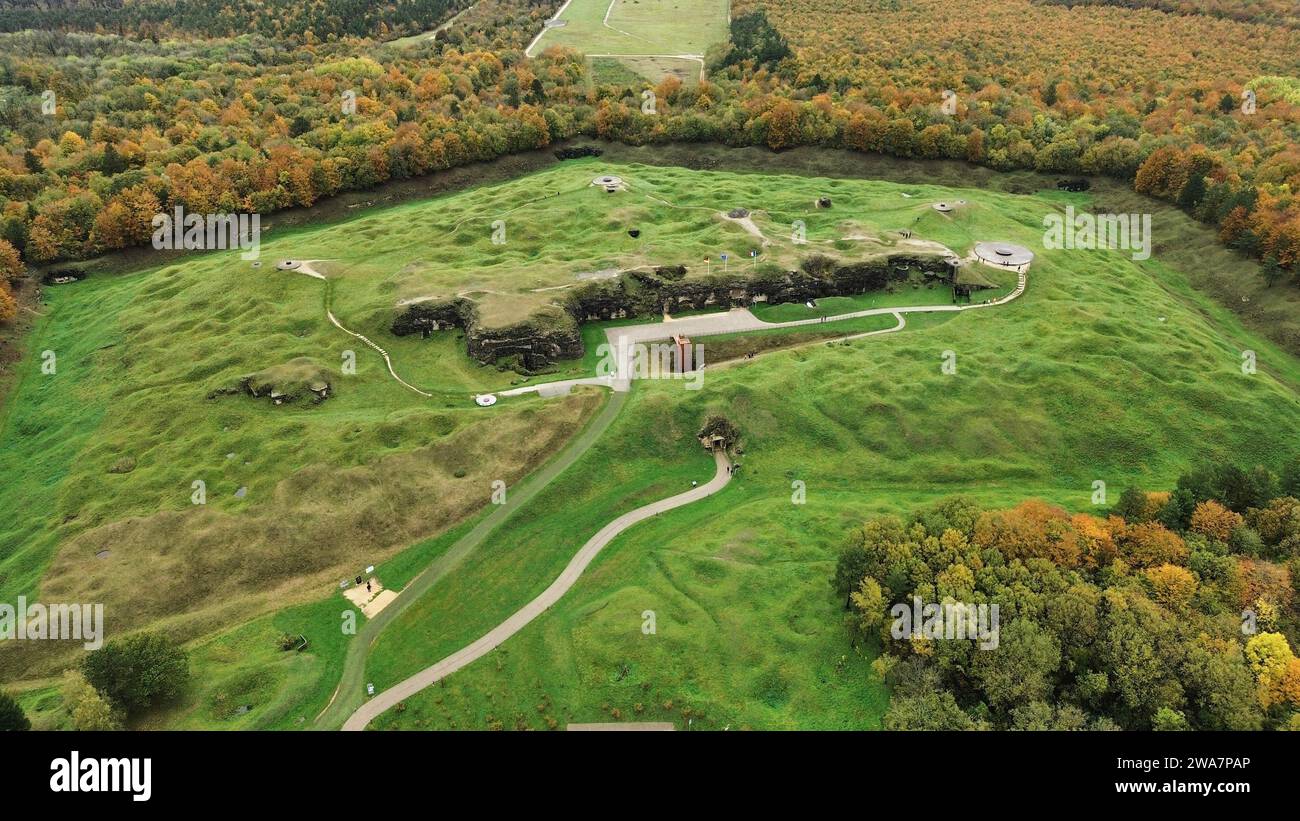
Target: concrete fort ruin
point(553, 333)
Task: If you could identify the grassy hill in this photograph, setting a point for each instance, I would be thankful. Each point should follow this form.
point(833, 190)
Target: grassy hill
point(1106, 369)
point(1101, 371)
point(101, 456)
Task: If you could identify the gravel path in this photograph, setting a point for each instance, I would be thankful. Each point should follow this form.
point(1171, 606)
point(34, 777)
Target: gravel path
point(499, 634)
point(349, 694)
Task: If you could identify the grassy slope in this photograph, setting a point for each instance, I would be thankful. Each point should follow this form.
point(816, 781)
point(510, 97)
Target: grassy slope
point(638, 72)
point(1105, 369)
point(241, 668)
point(737, 616)
point(333, 487)
point(330, 487)
point(730, 347)
point(351, 690)
point(626, 469)
point(1181, 242)
point(557, 226)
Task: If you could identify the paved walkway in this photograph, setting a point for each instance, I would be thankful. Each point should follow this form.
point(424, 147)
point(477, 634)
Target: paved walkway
point(622, 338)
point(499, 634)
point(739, 320)
point(349, 694)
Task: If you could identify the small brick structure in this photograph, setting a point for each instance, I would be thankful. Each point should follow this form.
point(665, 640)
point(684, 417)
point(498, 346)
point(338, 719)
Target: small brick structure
point(681, 354)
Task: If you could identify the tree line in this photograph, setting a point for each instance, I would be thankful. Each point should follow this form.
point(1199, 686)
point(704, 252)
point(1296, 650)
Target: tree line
point(1197, 109)
point(258, 124)
point(1255, 11)
point(1176, 610)
point(158, 19)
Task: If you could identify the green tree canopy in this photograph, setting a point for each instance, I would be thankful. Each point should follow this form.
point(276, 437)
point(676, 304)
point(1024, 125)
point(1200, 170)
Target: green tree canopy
point(138, 671)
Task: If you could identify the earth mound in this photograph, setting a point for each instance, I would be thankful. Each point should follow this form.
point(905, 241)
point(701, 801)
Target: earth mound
point(300, 378)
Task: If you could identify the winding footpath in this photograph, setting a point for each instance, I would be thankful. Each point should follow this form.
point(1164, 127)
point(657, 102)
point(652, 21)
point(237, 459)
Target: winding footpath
point(567, 578)
point(350, 692)
point(305, 268)
point(348, 707)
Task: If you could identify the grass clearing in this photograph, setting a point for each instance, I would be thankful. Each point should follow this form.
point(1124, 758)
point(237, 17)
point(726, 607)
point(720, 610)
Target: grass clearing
point(636, 40)
point(636, 70)
point(729, 347)
point(639, 26)
point(103, 453)
point(120, 433)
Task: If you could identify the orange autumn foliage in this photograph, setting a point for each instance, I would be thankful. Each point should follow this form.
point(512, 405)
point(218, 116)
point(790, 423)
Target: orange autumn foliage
point(8, 305)
point(1032, 529)
point(1261, 579)
point(1149, 543)
point(1288, 686)
point(1097, 539)
point(1035, 529)
point(1214, 520)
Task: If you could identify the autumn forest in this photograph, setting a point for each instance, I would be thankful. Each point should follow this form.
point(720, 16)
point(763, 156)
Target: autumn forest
point(1198, 107)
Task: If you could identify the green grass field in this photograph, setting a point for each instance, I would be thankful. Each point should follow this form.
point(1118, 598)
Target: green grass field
point(105, 450)
point(1104, 369)
point(635, 71)
point(637, 40)
point(640, 26)
point(103, 453)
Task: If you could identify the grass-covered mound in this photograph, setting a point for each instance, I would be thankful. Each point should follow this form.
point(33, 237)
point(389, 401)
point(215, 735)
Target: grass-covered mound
point(511, 250)
point(300, 378)
point(551, 333)
point(1105, 370)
